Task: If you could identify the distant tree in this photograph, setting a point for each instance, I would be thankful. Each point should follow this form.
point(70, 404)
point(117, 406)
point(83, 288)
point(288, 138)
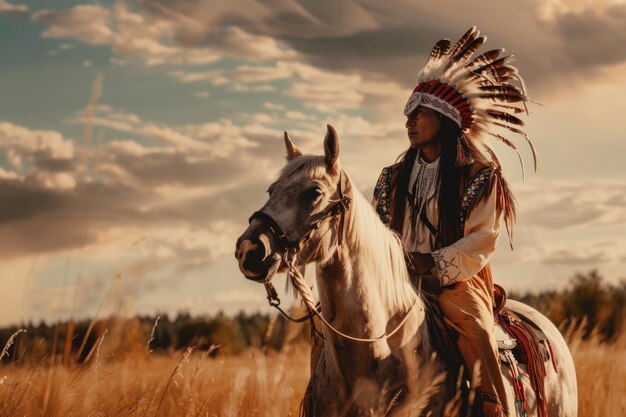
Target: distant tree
point(587, 301)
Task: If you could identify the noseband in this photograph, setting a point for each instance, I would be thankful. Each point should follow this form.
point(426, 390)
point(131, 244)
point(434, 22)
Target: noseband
point(290, 248)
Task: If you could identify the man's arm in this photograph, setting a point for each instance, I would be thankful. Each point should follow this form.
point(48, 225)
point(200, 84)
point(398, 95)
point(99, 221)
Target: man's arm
point(463, 259)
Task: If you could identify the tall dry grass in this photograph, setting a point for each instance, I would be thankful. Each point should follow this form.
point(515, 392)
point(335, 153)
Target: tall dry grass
point(601, 374)
point(184, 383)
point(123, 378)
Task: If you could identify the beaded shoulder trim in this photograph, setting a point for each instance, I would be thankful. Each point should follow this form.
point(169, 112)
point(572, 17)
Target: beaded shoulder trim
point(472, 191)
point(382, 193)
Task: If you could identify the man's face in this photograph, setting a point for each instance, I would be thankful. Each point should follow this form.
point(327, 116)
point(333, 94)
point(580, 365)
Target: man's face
point(422, 126)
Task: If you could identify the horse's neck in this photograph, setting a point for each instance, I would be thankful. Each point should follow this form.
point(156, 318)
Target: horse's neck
point(351, 302)
point(364, 293)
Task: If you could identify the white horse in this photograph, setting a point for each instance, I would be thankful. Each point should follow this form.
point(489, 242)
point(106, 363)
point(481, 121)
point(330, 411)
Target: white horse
point(365, 292)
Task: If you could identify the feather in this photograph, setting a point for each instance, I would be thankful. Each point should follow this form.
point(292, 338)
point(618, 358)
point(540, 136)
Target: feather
point(500, 72)
point(439, 50)
point(469, 50)
point(516, 110)
point(505, 117)
point(436, 54)
point(494, 64)
point(502, 88)
point(462, 43)
point(493, 79)
point(512, 129)
point(456, 53)
point(514, 147)
point(509, 98)
point(525, 136)
point(487, 57)
point(506, 201)
point(492, 155)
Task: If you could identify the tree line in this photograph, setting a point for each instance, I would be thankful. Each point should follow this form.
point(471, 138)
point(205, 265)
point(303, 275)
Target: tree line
point(587, 302)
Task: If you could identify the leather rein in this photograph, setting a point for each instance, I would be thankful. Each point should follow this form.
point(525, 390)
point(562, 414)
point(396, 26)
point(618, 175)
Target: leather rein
point(290, 250)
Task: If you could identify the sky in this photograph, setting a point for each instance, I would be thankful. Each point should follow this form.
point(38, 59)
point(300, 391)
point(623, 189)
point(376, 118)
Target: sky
point(137, 137)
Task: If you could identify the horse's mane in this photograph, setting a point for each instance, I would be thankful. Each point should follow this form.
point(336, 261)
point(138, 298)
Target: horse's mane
point(379, 249)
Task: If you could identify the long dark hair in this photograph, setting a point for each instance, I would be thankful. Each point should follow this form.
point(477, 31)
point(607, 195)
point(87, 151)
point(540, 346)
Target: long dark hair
point(450, 181)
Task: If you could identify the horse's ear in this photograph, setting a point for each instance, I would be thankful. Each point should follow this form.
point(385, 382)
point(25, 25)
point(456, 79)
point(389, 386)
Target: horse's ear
point(331, 148)
point(292, 150)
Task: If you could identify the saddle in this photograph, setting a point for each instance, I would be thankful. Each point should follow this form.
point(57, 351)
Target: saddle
point(519, 341)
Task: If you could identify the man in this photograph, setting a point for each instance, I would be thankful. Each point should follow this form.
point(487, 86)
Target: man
point(447, 195)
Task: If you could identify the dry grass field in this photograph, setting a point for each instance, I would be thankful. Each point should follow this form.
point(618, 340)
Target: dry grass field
point(123, 378)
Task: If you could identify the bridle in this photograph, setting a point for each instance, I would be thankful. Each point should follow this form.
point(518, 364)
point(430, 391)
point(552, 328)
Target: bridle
point(290, 250)
point(336, 208)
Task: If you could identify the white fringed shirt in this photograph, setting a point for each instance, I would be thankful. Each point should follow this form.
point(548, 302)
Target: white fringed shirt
point(463, 259)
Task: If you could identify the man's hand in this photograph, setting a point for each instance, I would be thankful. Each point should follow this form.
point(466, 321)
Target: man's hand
point(419, 263)
point(420, 266)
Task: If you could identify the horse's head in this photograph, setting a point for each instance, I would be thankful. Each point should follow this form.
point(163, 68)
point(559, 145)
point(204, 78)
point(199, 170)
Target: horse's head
point(302, 215)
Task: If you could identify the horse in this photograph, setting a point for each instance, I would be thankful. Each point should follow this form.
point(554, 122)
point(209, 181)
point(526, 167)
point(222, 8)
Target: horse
point(374, 319)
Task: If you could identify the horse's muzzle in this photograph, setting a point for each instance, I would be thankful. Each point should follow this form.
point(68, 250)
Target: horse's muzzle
point(257, 261)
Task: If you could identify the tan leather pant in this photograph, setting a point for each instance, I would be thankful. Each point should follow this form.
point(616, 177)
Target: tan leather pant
point(467, 307)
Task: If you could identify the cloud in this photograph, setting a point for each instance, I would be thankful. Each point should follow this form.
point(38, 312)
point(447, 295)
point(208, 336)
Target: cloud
point(60, 49)
point(322, 90)
point(213, 139)
point(47, 156)
point(559, 250)
point(87, 23)
point(298, 115)
point(559, 44)
point(244, 88)
point(202, 94)
point(558, 47)
point(273, 106)
point(200, 175)
point(586, 255)
point(18, 140)
point(13, 9)
point(191, 181)
point(551, 9)
point(351, 56)
point(593, 39)
point(325, 91)
point(283, 17)
point(560, 204)
point(157, 40)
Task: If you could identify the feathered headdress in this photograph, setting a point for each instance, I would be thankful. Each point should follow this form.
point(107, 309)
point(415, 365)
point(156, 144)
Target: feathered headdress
point(480, 94)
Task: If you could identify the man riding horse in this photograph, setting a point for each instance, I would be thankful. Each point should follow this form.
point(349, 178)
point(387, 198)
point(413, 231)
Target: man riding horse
point(441, 205)
point(447, 194)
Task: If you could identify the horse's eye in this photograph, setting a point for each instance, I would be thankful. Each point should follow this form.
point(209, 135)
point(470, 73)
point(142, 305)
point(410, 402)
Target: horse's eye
point(313, 193)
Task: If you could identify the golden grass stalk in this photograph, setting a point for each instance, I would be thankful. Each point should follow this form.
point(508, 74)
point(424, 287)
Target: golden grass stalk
point(7, 345)
point(176, 371)
point(143, 363)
